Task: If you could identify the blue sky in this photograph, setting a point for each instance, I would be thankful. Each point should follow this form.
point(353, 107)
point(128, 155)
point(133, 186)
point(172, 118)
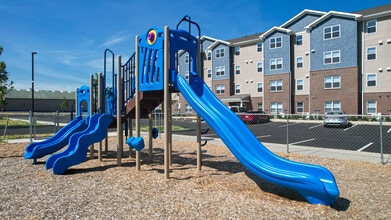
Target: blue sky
point(70, 36)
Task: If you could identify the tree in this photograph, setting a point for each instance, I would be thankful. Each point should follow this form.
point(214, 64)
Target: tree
point(64, 104)
point(5, 86)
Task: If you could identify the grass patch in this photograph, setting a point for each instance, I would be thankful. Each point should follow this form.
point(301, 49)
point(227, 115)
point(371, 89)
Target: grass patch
point(3, 122)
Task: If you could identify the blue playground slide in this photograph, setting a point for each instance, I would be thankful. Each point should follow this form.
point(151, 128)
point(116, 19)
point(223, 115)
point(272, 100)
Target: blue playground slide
point(56, 142)
point(315, 183)
point(76, 151)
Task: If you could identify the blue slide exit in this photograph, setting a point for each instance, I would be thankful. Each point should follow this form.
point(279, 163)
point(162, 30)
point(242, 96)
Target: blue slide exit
point(56, 142)
point(76, 152)
point(315, 183)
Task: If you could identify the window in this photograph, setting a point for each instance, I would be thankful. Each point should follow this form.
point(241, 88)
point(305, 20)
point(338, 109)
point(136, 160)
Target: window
point(220, 89)
point(299, 107)
point(187, 75)
point(209, 73)
point(276, 64)
point(220, 71)
point(371, 79)
point(237, 89)
point(220, 52)
point(332, 106)
point(276, 107)
point(237, 69)
point(186, 58)
point(331, 32)
point(371, 26)
point(259, 47)
point(299, 84)
point(371, 107)
point(275, 85)
point(237, 50)
point(209, 55)
point(260, 106)
point(259, 67)
point(371, 53)
point(299, 40)
point(189, 109)
point(299, 62)
point(332, 57)
point(275, 42)
point(260, 87)
point(332, 82)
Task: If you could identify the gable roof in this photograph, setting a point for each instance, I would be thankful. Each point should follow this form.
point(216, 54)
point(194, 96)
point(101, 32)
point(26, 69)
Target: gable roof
point(287, 31)
point(332, 14)
point(302, 14)
point(371, 13)
point(245, 39)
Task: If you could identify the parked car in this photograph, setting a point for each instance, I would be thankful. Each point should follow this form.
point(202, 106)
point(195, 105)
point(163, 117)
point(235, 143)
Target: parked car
point(253, 116)
point(336, 118)
point(238, 109)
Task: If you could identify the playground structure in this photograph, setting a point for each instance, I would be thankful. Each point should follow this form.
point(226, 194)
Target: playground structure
point(142, 83)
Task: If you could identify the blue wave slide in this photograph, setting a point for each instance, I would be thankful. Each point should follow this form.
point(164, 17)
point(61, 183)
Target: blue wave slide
point(315, 183)
point(37, 150)
point(76, 151)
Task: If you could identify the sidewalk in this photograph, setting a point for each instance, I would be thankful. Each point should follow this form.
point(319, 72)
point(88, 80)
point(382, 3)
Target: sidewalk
point(277, 148)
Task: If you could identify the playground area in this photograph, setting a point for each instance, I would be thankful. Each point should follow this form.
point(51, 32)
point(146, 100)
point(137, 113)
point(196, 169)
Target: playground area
point(224, 189)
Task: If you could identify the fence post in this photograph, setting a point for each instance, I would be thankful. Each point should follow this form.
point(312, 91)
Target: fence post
point(31, 126)
point(381, 140)
point(287, 133)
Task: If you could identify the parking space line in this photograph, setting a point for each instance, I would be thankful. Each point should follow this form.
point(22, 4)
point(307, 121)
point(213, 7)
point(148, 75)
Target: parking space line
point(350, 127)
point(315, 126)
point(299, 142)
point(289, 125)
point(264, 136)
point(366, 146)
point(389, 130)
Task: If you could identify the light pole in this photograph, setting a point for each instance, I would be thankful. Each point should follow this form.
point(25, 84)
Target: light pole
point(32, 97)
point(32, 82)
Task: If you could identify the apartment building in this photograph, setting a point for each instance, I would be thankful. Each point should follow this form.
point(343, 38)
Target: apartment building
point(315, 62)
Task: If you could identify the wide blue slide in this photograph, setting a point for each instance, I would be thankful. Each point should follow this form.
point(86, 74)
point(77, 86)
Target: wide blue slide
point(76, 151)
point(37, 150)
point(315, 183)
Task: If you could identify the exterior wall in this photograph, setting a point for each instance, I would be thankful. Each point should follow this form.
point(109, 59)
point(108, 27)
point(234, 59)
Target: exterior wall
point(226, 83)
point(347, 94)
point(279, 96)
point(302, 73)
point(249, 76)
point(346, 44)
point(300, 24)
point(254, 103)
point(221, 61)
point(303, 99)
point(383, 100)
point(282, 52)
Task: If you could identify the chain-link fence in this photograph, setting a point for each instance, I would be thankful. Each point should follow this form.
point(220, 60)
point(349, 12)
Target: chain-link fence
point(347, 136)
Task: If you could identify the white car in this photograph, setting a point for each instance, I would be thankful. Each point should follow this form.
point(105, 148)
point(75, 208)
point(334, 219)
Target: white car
point(335, 118)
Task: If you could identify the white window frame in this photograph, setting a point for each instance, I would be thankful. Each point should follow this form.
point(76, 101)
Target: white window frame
point(332, 32)
point(276, 107)
point(299, 85)
point(220, 89)
point(276, 62)
point(368, 79)
point(237, 69)
point(209, 71)
point(299, 39)
point(332, 55)
point(275, 42)
point(371, 51)
point(237, 50)
point(259, 47)
point(260, 87)
point(372, 26)
point(335, 105)
point(335, 82)
point(371, 107)
point(276, 85)
point(209, 55)
point(220, 71)
point(259, 67)
point(220, 53)
point(299, 109)
point(237, 88)
point(299, 62)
